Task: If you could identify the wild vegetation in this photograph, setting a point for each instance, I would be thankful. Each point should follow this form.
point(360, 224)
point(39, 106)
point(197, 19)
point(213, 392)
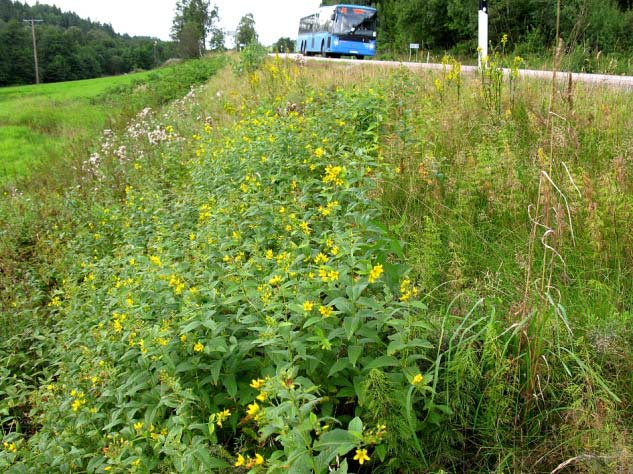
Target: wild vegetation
point(329, 268)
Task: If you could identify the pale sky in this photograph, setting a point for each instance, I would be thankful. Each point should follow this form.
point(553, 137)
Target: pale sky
point(273, 18)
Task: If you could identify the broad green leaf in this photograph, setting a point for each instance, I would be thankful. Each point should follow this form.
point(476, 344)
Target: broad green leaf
point(382, 361)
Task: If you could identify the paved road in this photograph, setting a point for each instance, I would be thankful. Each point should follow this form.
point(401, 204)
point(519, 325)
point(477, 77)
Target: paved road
point(596, 79)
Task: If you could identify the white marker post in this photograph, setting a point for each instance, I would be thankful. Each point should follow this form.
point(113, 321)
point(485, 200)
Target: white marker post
point(414, 47)
point(482, 49)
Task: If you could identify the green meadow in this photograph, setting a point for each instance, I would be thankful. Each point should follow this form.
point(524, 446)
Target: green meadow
point(328, 268)
point(41, 125)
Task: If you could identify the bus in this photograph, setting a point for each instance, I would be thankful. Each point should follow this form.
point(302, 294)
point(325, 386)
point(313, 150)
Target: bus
point(339, 30)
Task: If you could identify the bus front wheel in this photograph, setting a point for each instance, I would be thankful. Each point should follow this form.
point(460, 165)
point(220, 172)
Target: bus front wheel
point(360, 56)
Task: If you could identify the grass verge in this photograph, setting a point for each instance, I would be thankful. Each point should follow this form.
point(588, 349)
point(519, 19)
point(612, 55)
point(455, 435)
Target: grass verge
point(332, 269)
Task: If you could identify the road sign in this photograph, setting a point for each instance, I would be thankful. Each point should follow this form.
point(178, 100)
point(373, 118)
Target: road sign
point(414, 47)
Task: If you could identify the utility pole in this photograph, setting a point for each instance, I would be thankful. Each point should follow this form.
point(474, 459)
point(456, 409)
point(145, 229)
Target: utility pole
point(32, 22)
point(482, 50)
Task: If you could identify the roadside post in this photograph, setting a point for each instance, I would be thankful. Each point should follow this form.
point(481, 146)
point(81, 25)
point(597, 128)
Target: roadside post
point(414, 47)
point(482, 50)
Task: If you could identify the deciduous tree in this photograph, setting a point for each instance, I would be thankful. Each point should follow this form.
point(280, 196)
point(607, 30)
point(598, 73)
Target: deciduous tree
point(192, 24)
point(246, 33)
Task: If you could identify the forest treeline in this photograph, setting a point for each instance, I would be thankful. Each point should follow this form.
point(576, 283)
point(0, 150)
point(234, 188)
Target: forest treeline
point(597, 25)
point(68, 47)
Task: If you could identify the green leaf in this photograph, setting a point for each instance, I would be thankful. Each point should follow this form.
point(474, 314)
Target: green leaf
point(339, 365)
point(216, 367)
point(351, 325)
point(382, 361)
point(343, 305)
point(395, 346)
point(343, 440)
point(356, 290)
point(356, 426)
point(312, 321)
point(354, 352)
point(230, 384)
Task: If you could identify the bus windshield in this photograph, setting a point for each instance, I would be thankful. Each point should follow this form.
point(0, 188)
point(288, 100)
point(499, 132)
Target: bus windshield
point(355, 21)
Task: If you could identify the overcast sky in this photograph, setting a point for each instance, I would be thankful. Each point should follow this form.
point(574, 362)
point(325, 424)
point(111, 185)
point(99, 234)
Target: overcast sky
point(273, 18)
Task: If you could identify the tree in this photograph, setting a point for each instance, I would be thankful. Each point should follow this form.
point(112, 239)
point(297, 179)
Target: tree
point(192, 24)
point(246, 33)
point(216, 43)
point(284, 45)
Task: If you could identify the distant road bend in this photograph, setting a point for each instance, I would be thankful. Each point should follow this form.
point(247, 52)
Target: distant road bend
point(625, 82)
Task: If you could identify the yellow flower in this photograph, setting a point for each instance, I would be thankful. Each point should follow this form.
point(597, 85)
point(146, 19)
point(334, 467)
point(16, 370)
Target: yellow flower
point(10, 447)
point(252, 409)
point(257, 383)
point(76, 405)
point(240, 461)
point(117, 325)
point(198, 347)
point(361, 456)
point(56, 301)
point(305, 227)
point(407, 290)
point(138, 426)
point(326, 311)
point(332, 175)
point(222, 416)
point(319, 152)
point(155, 260)
point(270, 254)
point(375, 273)
point(136, 463)
point(321, 258)
point(307, 306)
point(262, 396)
point(259, 459)
point(183, 338)
point(275, 280)
point(418, 379)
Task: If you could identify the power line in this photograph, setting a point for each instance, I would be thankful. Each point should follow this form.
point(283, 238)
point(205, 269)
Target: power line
point(32, 22)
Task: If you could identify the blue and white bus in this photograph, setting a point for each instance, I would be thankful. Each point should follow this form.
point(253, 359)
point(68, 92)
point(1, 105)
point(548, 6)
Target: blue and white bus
point(339, 30)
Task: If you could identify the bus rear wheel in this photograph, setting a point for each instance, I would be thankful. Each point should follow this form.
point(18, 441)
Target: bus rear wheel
point(360, 56)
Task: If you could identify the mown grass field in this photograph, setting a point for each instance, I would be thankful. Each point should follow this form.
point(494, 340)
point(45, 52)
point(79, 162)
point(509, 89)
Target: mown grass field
point(38, 123)
point(329, 269)
point(46, 123)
